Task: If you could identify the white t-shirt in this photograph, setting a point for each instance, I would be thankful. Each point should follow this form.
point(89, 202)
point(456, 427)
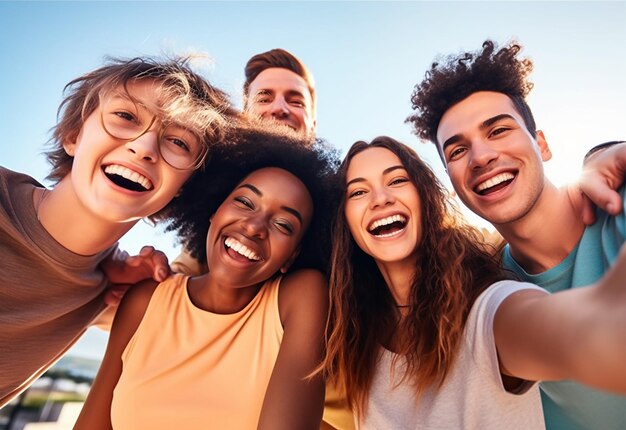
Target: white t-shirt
point(471, 397)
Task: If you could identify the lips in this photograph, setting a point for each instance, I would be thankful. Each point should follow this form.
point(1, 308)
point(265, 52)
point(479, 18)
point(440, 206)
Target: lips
point(387, 226)
point(494, 183)
point(239, 251)
point(126, 178)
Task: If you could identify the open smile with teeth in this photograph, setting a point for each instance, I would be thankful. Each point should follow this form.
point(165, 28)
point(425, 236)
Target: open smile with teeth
point(494, 184)
point(241, 249)
point(388, 226)
point(127, 178)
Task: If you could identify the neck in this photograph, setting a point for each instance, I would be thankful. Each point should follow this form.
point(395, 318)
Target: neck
point(547, 234)
point(209, 295)
point(399, 278)
point(72, 225)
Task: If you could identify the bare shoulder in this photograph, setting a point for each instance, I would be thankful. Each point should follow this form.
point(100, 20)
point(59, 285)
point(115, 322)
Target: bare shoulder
point(132, 308)
point(303, 292)
point(138, 296)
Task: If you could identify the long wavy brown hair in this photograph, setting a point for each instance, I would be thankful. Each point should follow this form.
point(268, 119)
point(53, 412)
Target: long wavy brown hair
point(453, 268)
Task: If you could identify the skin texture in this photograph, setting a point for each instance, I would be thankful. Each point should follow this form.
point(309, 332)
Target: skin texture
point(105, 210)
point(560, 331)
point(257, 219)
point(283, 96)
point(484, 139)
point(379, 187)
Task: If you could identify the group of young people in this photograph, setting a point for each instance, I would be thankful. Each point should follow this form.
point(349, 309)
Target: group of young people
point(300, 272)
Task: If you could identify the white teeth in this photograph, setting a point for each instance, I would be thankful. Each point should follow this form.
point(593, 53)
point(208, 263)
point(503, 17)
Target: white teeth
point(492, 182)
point(386, 221)
point(389, 234)
point(240, 248)
point(125, 172)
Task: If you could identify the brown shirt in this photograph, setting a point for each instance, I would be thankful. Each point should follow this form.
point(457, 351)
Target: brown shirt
point(48, 294)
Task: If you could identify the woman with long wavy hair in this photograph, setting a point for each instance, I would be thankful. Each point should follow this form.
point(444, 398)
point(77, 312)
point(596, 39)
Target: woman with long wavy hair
point(425, 331)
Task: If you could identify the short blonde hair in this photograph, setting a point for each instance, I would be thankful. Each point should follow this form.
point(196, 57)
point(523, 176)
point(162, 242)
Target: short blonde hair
point(185, 98)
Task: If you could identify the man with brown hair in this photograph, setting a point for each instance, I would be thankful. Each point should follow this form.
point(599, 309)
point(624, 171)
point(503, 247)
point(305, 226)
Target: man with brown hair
point(280, 87)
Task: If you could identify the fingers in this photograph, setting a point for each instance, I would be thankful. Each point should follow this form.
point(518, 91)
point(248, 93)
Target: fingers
point(161, 266)
point(114, 294)
point(600, 193)
point(153, 261)
point(147, 250)
point(588, 212)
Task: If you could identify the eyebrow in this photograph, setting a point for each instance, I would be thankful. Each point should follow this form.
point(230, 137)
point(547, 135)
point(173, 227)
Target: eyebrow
point(386, 171)
point(125, 96)
point(486, 123)
point(264, 91)
point(258, 192)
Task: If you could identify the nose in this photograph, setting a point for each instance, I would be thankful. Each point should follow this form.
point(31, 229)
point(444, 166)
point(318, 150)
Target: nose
point(279, 108)
point(381, 197)
point(146, 146)
point(255, 226)
point(482, 154)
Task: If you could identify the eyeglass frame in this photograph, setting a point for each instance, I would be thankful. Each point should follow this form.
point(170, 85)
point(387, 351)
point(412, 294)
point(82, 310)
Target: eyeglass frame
point(196, 165)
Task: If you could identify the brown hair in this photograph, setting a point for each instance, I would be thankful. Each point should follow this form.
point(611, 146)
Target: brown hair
point(186, 99)
point(458, 77)
point(283, 60)
point(452, 270)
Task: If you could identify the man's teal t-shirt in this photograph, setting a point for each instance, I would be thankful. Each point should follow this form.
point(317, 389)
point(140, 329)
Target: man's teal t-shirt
point(566, 404)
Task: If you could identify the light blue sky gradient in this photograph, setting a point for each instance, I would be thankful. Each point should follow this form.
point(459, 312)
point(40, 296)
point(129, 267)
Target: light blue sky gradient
point(366, 58)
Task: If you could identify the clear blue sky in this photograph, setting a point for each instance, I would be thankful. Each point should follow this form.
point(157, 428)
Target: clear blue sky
point(366, 58)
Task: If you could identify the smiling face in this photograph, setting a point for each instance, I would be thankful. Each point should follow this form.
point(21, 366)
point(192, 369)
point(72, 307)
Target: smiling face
point(257, 230)
point(494, 163)
point(283, 96)
point(125, 180)
point(383, 208)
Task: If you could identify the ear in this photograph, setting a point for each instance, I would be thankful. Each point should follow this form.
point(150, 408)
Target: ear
point(544, 149)
point(69, 144)
point(290, 260)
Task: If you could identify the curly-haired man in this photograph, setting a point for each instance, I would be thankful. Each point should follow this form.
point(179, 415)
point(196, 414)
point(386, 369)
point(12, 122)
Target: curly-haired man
point(473, 108)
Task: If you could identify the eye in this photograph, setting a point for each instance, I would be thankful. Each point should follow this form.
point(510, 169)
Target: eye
point(178, 143)
point(456, 153)
point(356, 193)
point(398, 181)
point(284, 226)
point(245, 202)
point(297, 103)
point(498, 131)
point(125, 116)
point(263, 98)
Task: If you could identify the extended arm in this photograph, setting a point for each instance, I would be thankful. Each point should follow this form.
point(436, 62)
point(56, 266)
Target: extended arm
point(294, 400)
point(578, 334)
point(96, 413)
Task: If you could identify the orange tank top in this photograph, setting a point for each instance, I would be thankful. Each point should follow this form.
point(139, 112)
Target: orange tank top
point(186, 368)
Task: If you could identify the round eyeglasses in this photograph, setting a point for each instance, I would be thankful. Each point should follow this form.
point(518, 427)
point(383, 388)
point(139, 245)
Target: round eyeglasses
point(128, 120)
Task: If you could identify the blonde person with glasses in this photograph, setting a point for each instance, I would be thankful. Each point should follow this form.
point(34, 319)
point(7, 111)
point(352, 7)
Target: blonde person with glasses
point(130, 134)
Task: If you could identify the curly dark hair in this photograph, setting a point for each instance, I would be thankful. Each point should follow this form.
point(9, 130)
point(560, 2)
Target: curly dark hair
point(249, 149)
point(457, 77)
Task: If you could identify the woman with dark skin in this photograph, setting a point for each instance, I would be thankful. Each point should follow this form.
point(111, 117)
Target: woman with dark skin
point(232, 348)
